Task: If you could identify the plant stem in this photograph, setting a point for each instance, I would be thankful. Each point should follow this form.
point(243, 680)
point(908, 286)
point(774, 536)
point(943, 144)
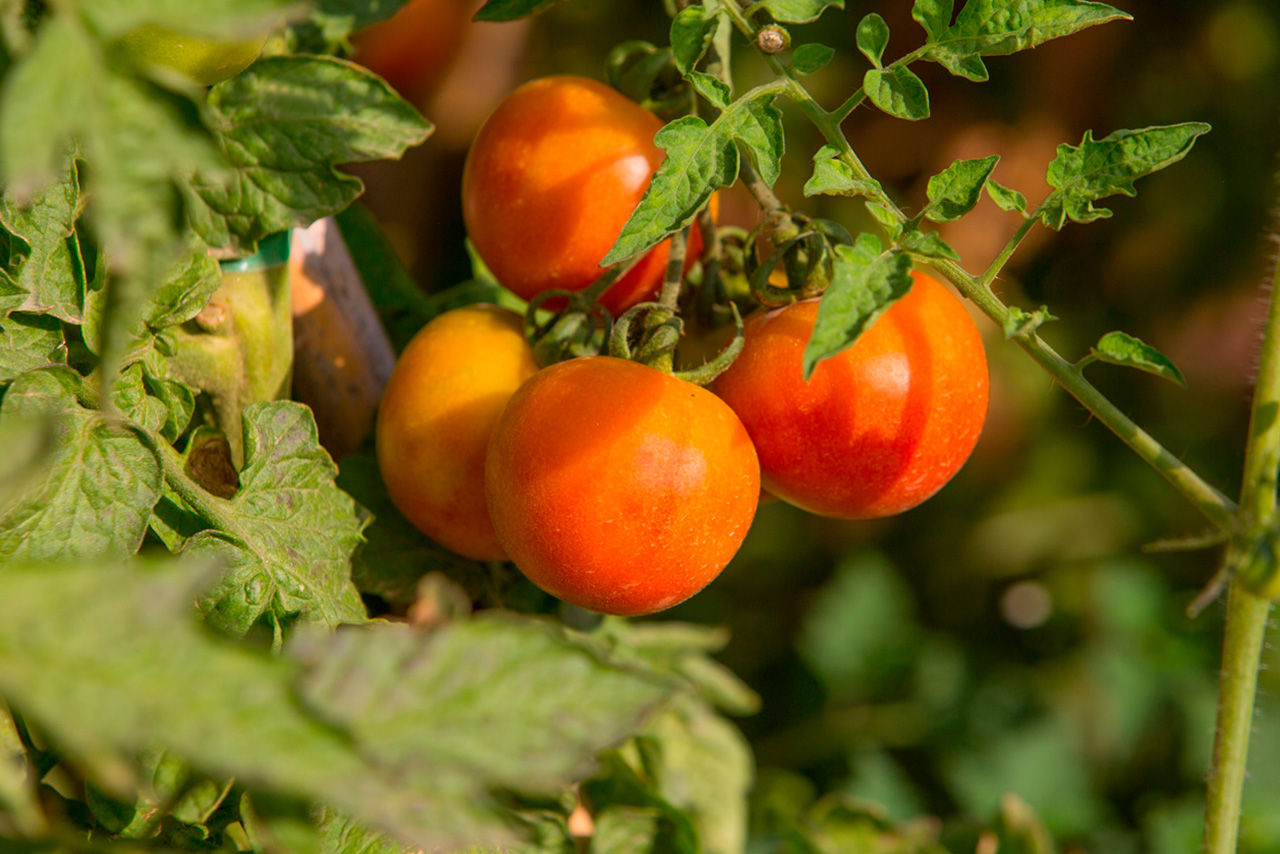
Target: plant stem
point(1246, 619)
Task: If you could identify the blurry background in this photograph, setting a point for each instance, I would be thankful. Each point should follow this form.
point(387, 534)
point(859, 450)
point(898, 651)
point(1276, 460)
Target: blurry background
point(1011, 633)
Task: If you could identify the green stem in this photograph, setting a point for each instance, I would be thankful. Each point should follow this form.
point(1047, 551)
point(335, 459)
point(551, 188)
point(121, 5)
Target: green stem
point(1005, 254)
point(205, 505)
point(1246, 619)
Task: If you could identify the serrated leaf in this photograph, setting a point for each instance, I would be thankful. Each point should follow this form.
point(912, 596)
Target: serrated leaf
point(341, 835)
point(1005, 198)
point(866, 282)
point(1000, 27)
point(27, 342)
point(100, 483)
point(833, 177)
point(873, 37)
point(715, 90)
point(145, 394)
point(796, 11)
point(691, 34)
point(412, 702)
point(898, 92)
point(50, 271)
point(954, 191)
point(701, 159)
point(928, 244)
point(1096, 169)
point(1021, 324)
point(395, 555)
point(285, 124)
point(1119, 348)
point(290, 533)
point(811, 58)
point(511, 10)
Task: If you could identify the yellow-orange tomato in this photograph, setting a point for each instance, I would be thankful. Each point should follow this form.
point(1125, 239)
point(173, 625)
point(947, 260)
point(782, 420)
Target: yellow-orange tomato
point(437, 412)
point(617, 487)
point(413, 48)
point(878, 428)
point(551, 178)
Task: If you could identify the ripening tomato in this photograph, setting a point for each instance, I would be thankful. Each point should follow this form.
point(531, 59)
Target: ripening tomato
point(414, 48)
point(618, 487)
point(437, 412)
point(551, 178)
point(878, 428)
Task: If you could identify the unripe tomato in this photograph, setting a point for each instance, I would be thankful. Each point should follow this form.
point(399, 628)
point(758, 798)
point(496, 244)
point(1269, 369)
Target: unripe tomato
point(879, 427)
point(617, 487)
point(206, 61)
point(437, 412)
point(550, 180)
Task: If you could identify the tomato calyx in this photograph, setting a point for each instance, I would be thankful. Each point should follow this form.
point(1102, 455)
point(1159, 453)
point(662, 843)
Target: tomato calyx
point(653, 342)
point(800, 247)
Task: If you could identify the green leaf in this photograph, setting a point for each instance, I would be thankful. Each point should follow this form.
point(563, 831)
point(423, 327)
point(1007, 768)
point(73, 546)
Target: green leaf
point(1080, 175)
point(691, 33)
point(715, 90)
point(27, 342)
point(290, 531)
point(833, 177)
point(1021, 324)
point(99, 485)
point(396, 555)
point(873, 37)
point(700, 160)
point(898, 92)
point(51, 271)
point(796, 11)
point(341, 835)
point(1005, 198)
point(887, 218)
point(1119, 348)
point(285, 124)
point(159, 403)
point(511, 10)
point(954, 191)
point(927, 244)
point(866, 282)
point(811, 58)
point(1000, 27)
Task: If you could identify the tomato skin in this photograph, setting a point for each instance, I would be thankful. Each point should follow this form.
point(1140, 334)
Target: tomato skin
point(413, 48)
point(617, 487)
point(551, 178)
point(878, 428)
point(437, 411)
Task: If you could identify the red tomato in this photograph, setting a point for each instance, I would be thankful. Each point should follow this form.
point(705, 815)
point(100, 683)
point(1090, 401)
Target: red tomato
point(551, 178)
point(878, 428)
point(617, 487)
point(414, 48)
point(437, 412)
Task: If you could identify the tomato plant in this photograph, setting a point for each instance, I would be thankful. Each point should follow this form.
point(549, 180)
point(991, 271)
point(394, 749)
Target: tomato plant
point(204, 60)
point(437, 413)
point(877, 428)
point(549, 181)
point(617, 487)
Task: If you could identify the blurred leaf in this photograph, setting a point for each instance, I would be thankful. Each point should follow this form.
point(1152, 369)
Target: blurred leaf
point(878, 779)
point(27, 342)
point(873, 37)
point(285, 124)
point(511, 10)
point(832, 176)
point(796, 11)
point(51, 272)
point(701, 159)
point(1081, 175)
point(811, 58)
point(98, 488)
point(217, 18)
point(1020, 830)
point(1119, 348)
point(997, 27)
point(625, 830)
point(866, 282)
point(395, 555)
point(288, 533)
point(897, 91)
point(954, 191)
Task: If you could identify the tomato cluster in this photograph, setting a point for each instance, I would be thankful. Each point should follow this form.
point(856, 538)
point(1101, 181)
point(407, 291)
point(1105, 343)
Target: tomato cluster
point(615, 485)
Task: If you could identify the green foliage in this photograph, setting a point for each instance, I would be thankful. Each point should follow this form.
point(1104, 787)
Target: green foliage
point(1119, 348)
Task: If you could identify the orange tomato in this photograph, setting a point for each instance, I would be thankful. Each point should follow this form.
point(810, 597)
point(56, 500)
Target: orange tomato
point(413, 48)
point(437, 411)
point(551, 178)
point(617, 487)
point(878, 428)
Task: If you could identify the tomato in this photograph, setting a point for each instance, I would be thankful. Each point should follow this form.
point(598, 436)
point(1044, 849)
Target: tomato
point(550, 180)
point(206, 61)
point(414, 47)
point(878, 428)
point(617, 487)
point(437, 412)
